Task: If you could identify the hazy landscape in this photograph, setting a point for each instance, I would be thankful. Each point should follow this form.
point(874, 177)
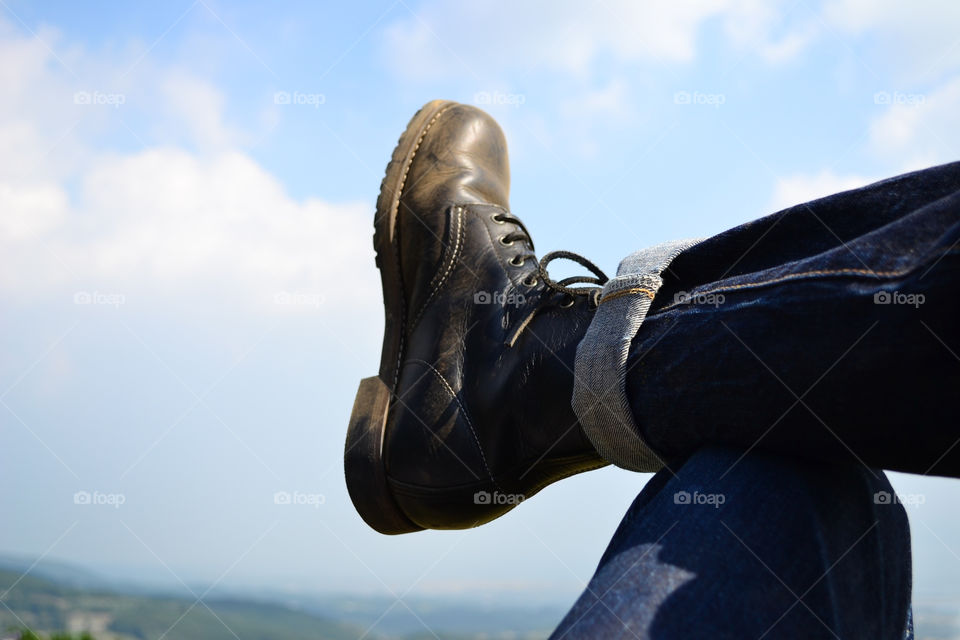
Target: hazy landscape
point(61, 597)
point(56, 597)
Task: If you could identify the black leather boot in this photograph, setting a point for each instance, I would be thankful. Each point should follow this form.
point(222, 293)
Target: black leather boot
point(470, 413)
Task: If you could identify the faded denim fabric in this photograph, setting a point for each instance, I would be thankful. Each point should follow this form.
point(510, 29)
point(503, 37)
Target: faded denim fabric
point(599, 389)
point(730, 546)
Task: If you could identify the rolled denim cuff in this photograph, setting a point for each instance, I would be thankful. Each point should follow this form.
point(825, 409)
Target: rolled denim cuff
point(600, 373)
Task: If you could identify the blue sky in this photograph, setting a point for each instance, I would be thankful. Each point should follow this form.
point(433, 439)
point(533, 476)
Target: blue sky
point(222, 237)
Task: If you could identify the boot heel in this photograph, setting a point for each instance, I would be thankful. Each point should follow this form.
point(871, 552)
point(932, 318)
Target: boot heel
point(363, 462)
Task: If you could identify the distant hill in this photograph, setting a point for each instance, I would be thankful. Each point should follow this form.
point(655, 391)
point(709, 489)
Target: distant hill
point(469, 618)
point(63, 573)
point(77, 589)
point(56, 596)
point(46, 606)
point(53, 602)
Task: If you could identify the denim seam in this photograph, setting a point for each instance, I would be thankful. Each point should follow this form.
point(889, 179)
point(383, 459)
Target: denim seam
point(649, 293)
point(806, 275)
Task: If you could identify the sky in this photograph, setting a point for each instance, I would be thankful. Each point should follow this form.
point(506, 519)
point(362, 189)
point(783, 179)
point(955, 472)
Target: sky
point(187, 291)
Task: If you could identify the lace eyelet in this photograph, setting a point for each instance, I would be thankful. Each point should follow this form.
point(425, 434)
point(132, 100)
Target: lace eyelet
point(496, 218)
point(567, 302)
point(530, 281)
point(505, 242)
point(517, 261)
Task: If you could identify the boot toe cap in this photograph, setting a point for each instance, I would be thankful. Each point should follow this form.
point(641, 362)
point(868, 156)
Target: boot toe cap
point(461, 158)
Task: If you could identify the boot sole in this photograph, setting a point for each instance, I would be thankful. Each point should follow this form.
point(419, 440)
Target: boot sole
point(364, 467)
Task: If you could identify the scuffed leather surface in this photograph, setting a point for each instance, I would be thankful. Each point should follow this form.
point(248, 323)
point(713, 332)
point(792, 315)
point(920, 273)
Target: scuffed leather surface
point(469, 410)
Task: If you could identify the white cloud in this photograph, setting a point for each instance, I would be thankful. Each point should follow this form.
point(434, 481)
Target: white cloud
point(29, 210)
point(915, 39)
point(483, 42)
point(752, 25)
point(168, 219)
point(478, 40)
point(197, 106)
point(920, 129)
point(789, 47)
point(164, 221)
point(797, 189)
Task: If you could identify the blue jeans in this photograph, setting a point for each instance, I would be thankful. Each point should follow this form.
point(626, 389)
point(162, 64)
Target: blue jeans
point(837, 337)
point(761, 546)
point(777, 367)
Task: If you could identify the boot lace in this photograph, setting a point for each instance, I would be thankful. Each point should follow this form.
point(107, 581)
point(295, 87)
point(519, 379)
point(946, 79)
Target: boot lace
point(590, 293)
point(599, 278)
